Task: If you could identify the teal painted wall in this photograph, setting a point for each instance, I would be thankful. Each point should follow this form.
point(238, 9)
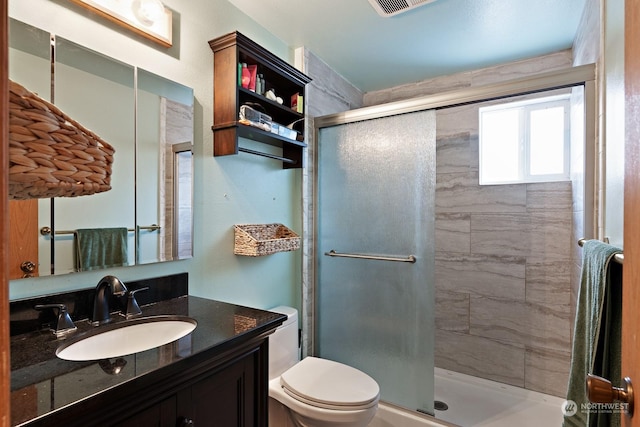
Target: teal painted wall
point(228, 190)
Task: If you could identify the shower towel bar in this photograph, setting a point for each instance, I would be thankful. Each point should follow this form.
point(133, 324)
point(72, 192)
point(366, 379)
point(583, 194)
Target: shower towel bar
point(45, 231)
point(619, 258)
point(333, 253)
point(270, 156)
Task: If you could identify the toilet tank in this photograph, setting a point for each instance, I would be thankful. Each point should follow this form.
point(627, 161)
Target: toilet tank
point(283, 343)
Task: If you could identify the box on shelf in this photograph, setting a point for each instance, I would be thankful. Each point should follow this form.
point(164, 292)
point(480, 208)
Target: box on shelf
point(252, 117)
point(297, 103)
point(287, 133)
point(283, 131)
point(264, 239)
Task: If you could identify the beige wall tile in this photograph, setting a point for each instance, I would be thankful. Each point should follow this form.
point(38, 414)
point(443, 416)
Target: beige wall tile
point(480, 357)
point(539, 234)
point(453, 153)
point(455, 120)
point(548, 282)
point(330, 92)
point(519, 69)
point(498, 276)
point(452, 311)
point(499, 73)
point(586, 46)
point(549, 196)
point(460, 192)
point(551, 234)
point(547, 371)
point(498, 234)
point(453, 232)
point(521, 323)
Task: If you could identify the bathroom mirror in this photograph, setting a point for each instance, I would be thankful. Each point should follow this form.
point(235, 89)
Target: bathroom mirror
point(164, 169)
point(98, 92)
point(146, 118)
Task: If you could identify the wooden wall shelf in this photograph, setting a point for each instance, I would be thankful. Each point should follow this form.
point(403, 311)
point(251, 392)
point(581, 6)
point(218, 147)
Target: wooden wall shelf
point(228, 96)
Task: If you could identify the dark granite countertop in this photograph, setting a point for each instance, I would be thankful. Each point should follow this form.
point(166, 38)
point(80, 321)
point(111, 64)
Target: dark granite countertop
point(42, 383)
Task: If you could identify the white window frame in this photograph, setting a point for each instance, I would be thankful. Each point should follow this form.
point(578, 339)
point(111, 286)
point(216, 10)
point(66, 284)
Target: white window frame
point(525, 108)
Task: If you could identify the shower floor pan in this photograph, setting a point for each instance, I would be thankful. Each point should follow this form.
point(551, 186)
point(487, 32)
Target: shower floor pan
point(476, 402)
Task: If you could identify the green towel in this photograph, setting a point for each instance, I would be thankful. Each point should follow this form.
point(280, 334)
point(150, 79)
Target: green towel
point(98, 248)
point(596, 337)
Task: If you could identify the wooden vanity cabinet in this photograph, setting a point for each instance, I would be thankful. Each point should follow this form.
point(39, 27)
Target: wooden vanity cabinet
point(223, 387)
point(228, 96)
point(233, 393)
point(162, 414)
point(225, 397)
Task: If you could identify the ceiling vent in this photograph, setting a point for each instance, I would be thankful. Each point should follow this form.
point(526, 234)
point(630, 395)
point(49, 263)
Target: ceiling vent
point(393, 7)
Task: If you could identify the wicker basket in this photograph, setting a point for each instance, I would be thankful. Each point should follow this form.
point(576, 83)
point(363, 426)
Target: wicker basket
point(50, 154)
point(264, 239)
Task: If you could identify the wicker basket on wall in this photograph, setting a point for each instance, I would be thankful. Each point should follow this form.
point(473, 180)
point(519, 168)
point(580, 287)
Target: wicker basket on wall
point(264, 239)
point(50, 154)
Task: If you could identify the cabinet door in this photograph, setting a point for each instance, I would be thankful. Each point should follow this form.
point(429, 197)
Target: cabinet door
point(162, 414)
point(23, 238)
point(227, 398)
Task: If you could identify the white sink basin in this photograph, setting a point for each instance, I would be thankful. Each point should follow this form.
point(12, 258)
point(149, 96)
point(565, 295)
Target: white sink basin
point(128, 337)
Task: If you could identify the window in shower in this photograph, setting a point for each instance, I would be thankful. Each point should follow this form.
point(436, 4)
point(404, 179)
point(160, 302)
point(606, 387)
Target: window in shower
point(525, 141)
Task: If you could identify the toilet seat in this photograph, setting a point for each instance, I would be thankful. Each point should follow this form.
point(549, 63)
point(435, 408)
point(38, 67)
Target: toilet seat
point(330, 385)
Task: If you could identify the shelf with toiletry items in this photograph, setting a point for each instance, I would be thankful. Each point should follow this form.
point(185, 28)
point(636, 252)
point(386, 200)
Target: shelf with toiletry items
point(257, 96)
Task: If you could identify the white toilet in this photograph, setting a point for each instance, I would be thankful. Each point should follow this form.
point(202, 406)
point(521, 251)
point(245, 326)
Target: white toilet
point(314, 392)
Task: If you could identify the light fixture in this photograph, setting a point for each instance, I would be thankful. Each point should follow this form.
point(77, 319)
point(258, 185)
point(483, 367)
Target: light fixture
point(148, 18)
point(148, 12)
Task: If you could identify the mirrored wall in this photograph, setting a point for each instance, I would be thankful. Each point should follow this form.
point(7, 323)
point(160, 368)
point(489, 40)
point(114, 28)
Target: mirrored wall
point(148, 120)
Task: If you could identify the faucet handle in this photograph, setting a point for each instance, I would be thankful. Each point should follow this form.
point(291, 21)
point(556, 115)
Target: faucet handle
point(64, 324)
point(133, 309)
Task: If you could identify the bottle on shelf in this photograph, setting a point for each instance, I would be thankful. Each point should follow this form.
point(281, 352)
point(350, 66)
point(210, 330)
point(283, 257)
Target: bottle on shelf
point(246, 76)
point(260, 85)
point(253, 77)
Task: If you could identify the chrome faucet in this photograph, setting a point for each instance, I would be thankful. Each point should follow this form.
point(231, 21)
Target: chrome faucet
point(107, 286)
point(64, 325)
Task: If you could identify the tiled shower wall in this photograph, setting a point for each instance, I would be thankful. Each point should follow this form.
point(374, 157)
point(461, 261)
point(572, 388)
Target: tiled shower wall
point(503, 288)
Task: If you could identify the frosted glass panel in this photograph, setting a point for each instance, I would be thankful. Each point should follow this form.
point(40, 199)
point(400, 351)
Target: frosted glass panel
point(376, 189)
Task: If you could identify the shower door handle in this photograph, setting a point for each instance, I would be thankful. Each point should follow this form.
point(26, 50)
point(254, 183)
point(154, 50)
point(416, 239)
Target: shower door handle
point(600, 390)
point(409, 258)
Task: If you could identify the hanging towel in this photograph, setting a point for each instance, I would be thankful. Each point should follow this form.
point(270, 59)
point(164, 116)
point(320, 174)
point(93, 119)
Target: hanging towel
point(98, 248)
point(596, 337)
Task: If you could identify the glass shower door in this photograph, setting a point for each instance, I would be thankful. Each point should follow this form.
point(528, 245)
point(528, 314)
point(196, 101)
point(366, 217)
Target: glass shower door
point(375, 283)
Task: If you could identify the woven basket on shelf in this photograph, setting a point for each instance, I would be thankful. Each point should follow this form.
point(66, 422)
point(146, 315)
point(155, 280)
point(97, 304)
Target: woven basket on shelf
point(264, 239)
point(50, 154)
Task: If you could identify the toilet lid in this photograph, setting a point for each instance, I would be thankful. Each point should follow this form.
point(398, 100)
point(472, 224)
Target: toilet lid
point(331, 385)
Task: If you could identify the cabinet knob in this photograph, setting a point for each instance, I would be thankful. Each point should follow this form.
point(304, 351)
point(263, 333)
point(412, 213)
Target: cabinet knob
point(28, 267)
point(186, 422)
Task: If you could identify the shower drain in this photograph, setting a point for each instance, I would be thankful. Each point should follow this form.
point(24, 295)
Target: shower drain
point(440, 406)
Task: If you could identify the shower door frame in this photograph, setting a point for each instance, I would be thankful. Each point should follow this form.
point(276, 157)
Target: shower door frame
point(584, 75)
